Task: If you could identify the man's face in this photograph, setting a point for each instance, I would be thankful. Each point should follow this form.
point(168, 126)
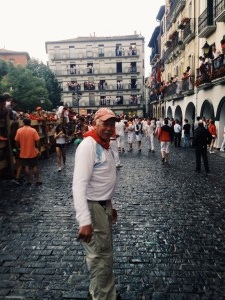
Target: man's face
point(105, 129)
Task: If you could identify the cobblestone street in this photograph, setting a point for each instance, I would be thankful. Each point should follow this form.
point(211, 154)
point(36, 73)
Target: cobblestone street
point(169, 241)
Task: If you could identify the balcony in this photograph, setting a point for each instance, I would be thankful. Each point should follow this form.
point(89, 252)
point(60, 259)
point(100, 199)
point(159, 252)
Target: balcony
point(203, 79)
point(189, 31)
point(219, 11)
point(206, 24)
point(176, 7)
point(154, 56)
point(134, 100)
point(96, 71)
point(93, 55)
point(188, 86)
point(218, 69)
point(89, 86)
point(173, 91)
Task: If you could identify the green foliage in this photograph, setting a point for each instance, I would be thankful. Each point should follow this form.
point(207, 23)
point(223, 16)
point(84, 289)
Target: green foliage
point(42, 71)
point(32, 86)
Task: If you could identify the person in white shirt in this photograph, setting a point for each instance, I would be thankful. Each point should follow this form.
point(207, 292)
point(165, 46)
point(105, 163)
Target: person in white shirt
point(138, 128)
point(130, 134)
point(149, 130)
point(120, 130)
point(94, 181)
point(222, 147)
point(177, 133)
point(158, 124)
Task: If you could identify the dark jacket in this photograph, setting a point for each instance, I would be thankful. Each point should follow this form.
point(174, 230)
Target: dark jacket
point(202, 137)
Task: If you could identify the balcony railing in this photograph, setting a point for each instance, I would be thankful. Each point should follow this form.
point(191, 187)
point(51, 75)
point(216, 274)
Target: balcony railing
point(219, 10)
point(189, 31)
point(176, 7)
point(187, 85)
point(173, 90)
point(212, 72)
point(136, 101)
point(92, 55)
point(218, 67)
point(87, 71)
point(89, 86)
point(206, 23)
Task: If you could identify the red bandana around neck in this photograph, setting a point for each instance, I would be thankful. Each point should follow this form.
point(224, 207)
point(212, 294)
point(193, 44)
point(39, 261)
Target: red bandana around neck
point(96, 137)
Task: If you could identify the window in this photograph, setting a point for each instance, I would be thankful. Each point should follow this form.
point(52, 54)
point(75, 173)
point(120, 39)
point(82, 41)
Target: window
point(71, 52)
point(119, 67)
point(118, 50)
point(100, 50)
point(89, 51)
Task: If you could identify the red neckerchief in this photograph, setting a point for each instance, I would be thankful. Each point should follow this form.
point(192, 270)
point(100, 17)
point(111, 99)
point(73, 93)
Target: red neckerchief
point(95, 136)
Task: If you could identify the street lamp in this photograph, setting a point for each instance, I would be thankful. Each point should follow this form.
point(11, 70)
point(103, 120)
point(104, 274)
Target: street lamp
point(76, 99)
point(206, 49)
point(42, 100)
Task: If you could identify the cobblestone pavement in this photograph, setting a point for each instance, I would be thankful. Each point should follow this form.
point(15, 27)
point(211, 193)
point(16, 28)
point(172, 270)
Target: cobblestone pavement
point(169, 241)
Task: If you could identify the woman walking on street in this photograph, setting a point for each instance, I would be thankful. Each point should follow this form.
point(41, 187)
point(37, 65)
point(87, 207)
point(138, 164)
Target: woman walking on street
point(60, 139)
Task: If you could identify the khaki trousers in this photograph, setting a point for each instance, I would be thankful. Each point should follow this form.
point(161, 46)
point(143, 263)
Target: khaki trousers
point(99, 252)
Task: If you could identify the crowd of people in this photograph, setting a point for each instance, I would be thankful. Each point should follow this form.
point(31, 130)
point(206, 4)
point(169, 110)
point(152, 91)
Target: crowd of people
point(99, 141)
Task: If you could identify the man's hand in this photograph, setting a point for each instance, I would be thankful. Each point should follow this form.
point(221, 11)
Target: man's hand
point(85, 233)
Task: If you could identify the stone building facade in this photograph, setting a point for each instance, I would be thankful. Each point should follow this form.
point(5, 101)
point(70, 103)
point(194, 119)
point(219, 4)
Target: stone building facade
point(188, 62)
point(100, 71)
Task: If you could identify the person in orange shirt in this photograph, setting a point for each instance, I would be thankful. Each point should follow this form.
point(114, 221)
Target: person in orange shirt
point(212, 130)
point(28, 141)
point(165, 136)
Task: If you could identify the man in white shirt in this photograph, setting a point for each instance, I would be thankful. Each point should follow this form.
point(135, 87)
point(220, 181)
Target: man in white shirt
point(120, 130)
point(149, 130)
point(177, 133)
point(94, 182)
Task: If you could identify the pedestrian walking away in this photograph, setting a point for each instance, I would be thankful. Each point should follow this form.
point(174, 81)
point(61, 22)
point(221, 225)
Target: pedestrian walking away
point(28, 141)
point(165, 136)
point(177, 133)
point(93, 187)
point(202, 138)
point(60, 147)
point(187, 131)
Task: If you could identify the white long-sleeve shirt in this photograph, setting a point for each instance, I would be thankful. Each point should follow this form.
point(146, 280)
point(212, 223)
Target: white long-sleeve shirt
point(94, 177)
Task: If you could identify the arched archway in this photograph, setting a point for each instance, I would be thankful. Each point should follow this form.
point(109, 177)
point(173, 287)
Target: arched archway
point(220, 109)
point(220, 121)
point(207, 110)
point(190, 115)
point(178, 113)
point(169, 112)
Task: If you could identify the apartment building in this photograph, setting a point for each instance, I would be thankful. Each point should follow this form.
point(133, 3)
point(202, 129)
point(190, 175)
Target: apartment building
point(100, 71)
point(188, 62)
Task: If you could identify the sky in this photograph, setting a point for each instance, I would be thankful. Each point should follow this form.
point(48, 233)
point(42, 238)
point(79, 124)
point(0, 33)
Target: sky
point(27, 24)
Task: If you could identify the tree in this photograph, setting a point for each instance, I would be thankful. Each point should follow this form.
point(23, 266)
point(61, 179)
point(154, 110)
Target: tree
point(26, 88)
point(40, 70)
